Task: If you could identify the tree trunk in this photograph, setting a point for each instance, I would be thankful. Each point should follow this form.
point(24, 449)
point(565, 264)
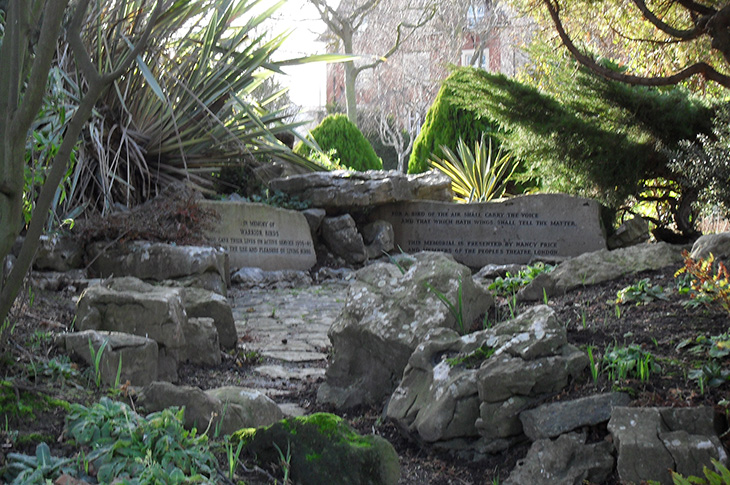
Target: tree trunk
point(351, 73)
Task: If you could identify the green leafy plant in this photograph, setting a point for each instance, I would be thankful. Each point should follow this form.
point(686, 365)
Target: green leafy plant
point(711, 374)
point(641, 293)
point(23, 469)
point(510, 284)
point(278, 198)
point(477, 176)
point(719, 477)
point(96, 356)
point(456, 308)
point(473, 359)
point(152, 449)
point(353, 150)
point(631, 361)
point(716, 346)
point(594, 366)
point(710, 281)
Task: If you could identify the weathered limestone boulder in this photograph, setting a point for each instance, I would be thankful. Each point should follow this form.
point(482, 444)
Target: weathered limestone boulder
point(159, 262)
point(201, 408)
point(314, 217)
point(129, 305)
point(652, 441)
point(254, 408)
point(324, 449)
point(630, 233)
point(201, 341)
point(453, 384)
point(204, 303)
point(553, 419)
point(533, 360)
point(58, 253)
point(599, 266)
point(567, 461)
point(138, 355)
point(284, 278)
point(378, 238)
point(342, 238)
point(343, 189)
point(717, 244)
point(387, 314)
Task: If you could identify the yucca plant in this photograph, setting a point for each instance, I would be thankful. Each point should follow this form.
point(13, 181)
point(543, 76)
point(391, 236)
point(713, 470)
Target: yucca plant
point(477, 176)
point(187, 107)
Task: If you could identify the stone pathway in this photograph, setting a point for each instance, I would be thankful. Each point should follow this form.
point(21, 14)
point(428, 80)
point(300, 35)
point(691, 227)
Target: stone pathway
point(287, 329)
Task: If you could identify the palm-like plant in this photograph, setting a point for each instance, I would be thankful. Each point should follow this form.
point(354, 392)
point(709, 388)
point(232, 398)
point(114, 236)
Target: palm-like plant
point(478, 176)
point(186, 108)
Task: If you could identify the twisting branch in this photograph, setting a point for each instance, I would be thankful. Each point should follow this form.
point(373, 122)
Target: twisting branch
point(688, 34)
point(700, 68)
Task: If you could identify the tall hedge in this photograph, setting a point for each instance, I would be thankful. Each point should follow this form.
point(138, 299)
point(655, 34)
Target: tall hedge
point(445, 123)
point(352, 148)
point(591, 137)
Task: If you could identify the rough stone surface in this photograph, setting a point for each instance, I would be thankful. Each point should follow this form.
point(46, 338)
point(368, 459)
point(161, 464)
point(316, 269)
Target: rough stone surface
point(652, 441)
point(139, 355)
point(342, 189)
point(158, 262)
point(385, 318)
point(342, 238)
point(600, 266)
point(261, 235)
point(566, 461)
point(552, 420)
point(630, 233)
point(717, 244)
point(58, 253)
point(203, 303)
point(201, 341)
point(314, 218)
point(258, 278)
point(378, 238)
point(254, 408)
point(328, 450)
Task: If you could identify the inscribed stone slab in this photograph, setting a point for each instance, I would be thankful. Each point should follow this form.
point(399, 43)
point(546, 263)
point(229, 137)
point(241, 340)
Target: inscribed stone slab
point(258, 235)
point(517, 230)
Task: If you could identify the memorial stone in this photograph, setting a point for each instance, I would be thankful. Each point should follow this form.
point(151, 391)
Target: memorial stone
point(517, 230)
point(258, 235)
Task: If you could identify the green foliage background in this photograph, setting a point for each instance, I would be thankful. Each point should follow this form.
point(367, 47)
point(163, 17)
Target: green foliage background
point(339, 133)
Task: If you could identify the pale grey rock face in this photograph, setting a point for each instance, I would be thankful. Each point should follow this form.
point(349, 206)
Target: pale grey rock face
point(258, 278)
point(203, 303)
point(138, 355)
point(476, 385)
point(566, 460)
point(600, 266)
point(387, 314)
point(378, 238)
point(652, 441)
point(342, 238)
point(343, 190)
point(201, 341)
point(716, 244)
point(159, 262)
point(254, 410)
point(58, 253)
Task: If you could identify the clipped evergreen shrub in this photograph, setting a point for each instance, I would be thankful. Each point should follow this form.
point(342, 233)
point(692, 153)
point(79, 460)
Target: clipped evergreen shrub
point(447, 122)
point(352, 148)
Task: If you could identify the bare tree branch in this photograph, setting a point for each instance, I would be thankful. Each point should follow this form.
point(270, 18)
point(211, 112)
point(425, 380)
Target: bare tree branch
point(688, 34)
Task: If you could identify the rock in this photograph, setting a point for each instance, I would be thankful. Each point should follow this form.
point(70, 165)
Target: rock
point(630, 233)
point(492, 271)
point(599, 266)
point(139, 355)
point(652, 441)
point(324, 449)
point(203, 303)
point(386, 316)
point(330, 274)
point(567, 460)
point(533, 359)
point(342, 189)
point(314, 219)
point(256, 409)
point(258, 278)
point(129, 305)
point(342, 239)
point(552, 420)
point(378, 238)
point(201, 341)
point(159, 262)
point(715, 244)
point(58, 253)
